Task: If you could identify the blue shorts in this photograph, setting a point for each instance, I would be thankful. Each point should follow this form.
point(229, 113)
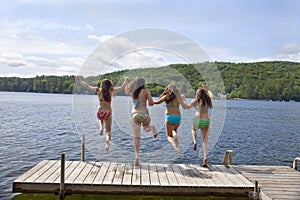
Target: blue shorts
point(173, 119)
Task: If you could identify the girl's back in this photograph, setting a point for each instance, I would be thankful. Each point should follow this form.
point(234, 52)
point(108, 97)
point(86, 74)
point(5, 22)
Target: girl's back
point(140, 104)
point(173, 107)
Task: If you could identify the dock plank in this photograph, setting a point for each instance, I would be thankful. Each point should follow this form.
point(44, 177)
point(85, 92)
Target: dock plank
point(30, 172)
point(136, 176)
point(179, 176)
point(163, 179)
point(53, 166)
point(83, 174)
point(154, 180)
point(56, 174)
point(171, 176)
point(204, 175)
point(199, 177)
point(108, 179)
point(68, 171)
point(127, 174)
point(223, 175)
point(75, 173)
point(39, 172)
point(185, 172)
point(102, 173)
point(145, 175)
point(120, 171)
point(91, 174)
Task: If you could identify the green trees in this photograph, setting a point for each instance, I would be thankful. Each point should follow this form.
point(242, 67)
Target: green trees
point(275, 80)
point(43, 84)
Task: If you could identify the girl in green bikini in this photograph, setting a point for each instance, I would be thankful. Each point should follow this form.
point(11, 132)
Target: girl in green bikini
point(202, 103)
point(139, 113)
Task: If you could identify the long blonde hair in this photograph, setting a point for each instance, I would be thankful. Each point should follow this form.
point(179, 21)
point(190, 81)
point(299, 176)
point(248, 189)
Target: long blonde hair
point(170, 96)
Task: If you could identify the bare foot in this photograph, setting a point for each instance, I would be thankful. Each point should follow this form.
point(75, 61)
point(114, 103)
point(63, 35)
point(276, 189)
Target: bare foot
point(178, 149)
point(101, 131)
point(195, 146)
point(107, 145)
point(154, 132)
point(137, 162)
point(204, 163)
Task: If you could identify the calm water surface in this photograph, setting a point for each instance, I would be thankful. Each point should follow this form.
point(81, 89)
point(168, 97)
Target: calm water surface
point(35, 127)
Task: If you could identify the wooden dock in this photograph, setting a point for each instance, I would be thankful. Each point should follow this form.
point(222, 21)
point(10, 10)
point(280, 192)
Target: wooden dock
point(275, 182)
point(121, 178)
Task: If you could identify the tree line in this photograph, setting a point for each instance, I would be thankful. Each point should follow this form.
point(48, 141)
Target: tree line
point(38, 84)
point(275, 80)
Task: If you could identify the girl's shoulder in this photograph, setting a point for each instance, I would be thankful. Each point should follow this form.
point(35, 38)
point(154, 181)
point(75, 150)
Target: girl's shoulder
point(145, 91)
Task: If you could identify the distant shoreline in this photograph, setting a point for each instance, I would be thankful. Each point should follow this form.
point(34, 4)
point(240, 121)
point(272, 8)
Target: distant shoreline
point(217, 98)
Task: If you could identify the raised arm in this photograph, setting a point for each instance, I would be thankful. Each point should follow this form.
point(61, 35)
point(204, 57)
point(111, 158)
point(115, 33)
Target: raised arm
point(122, 87)
point(89, 87)
point(182, 102)
point(160, 100)
point(149, 98)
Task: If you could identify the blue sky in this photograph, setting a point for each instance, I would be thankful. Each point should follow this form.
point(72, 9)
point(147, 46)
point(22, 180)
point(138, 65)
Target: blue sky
point(55, 37)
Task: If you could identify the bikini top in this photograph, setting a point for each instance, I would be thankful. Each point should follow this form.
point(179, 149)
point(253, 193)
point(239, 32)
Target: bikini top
point(139, 102)
point(172, 106)
point(201, 108)
point(102, 100)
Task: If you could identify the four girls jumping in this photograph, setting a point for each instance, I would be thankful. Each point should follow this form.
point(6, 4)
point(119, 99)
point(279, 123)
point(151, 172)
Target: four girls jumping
point(141, 97)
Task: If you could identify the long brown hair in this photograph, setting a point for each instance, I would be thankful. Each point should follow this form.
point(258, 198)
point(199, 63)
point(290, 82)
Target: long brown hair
point(135, 87)
point(106, 86)
point(203, 97)
point(174, 93)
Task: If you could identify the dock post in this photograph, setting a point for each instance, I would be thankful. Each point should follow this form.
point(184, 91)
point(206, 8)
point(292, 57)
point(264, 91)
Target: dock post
point(83, 148)
point(295, 163)
point(228, 157)
point(62, 177)
point(255, 194)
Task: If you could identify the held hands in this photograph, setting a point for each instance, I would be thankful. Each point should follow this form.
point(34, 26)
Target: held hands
point(183, 97)
point(126, 80)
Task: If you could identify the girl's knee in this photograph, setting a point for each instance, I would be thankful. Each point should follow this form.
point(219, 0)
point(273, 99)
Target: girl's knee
point(147, 128)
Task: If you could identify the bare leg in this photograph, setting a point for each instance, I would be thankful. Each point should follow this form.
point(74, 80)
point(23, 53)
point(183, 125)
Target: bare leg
point(136, 141)
point(194, 135)
point(101, 127)
point(148, 127)
point(205, 132)
point(175, 136)
point(170, 129)
point(108, 123)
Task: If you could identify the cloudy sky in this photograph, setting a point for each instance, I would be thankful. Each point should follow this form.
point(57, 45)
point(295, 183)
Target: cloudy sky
point(56, 37)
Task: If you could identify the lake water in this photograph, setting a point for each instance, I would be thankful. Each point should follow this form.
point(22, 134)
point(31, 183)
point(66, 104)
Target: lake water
point(34, 127)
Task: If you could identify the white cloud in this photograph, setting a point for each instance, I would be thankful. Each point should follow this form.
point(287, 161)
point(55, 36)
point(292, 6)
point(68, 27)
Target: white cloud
point(116, 53)
point(290, 48)
point(37, 37)
point(100, 39)
point(289, 51)
point(13, 60)
point(89, 27)
point(39, 65)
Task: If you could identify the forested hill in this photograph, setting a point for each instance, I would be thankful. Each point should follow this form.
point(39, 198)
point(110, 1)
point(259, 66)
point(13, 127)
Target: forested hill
point(276, 80)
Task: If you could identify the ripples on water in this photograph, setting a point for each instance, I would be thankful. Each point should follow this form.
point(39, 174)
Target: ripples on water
point(36, 127)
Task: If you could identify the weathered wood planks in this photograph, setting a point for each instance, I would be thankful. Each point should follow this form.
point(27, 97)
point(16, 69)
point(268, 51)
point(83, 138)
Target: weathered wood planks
point(275, 182)
point(125, 178)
